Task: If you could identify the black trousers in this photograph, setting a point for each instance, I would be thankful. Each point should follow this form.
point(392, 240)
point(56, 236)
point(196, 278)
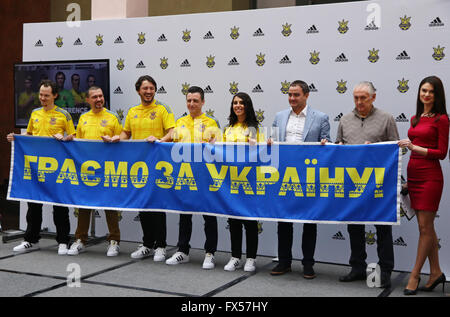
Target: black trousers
point(251, 237)
point(34, 223)
point(154, 228)
point(385, 247)
point(285, 237)
point(185, 232)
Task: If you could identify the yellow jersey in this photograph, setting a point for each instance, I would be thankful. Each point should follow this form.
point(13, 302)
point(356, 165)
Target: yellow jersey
point(93, 126)
point(51, 122)
point(144, 121)
point(240, 133)
point(200, 129)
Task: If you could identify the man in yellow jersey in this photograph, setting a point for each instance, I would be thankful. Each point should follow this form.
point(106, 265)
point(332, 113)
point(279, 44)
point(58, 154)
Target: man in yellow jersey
point(195, 127)
point(97, 124)
point(65, 98)
point(49, 120)
point(28, 100)
point(151, 121)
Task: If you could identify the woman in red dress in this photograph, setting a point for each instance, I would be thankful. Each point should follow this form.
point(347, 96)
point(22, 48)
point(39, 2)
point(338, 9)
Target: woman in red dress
point(428, 143)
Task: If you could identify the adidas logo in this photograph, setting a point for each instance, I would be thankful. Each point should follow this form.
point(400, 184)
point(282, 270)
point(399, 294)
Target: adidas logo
point(97, 214)
point(258, 32)
point(208, 36)
point(338, 117)
point(119, 40)
point(258, 89)
point(400, 242)
point(233, 62)
point(371, 27)
point(118, 91)
point(162, 38)
point(338, 236)
point(208, 90)
point(436, 22)
point(312, 88)
point(161, 90)
point(403, 56)
point(140, 65)
point(185, 63)
point(285, 60)
point(401, 118)
point(39, 44)
point(78, 42)
point(137, 218)
point(312, 30)
point(341, 58)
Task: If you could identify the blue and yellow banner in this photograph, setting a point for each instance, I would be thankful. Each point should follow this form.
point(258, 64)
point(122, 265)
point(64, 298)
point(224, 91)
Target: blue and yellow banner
point(299, 183)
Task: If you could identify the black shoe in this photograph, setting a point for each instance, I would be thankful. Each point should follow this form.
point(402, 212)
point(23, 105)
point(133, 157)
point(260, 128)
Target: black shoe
point(408, 292)
point(385, 279)
point(441, 279)
point(281, 269)
point(308, 272)
point(353, 276)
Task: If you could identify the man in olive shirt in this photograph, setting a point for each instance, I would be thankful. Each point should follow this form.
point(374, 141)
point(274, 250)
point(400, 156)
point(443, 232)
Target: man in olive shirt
point(364, 125)
point(151, 121)
point(49, 120)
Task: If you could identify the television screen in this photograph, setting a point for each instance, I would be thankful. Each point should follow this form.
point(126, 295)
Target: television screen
point(73, 79)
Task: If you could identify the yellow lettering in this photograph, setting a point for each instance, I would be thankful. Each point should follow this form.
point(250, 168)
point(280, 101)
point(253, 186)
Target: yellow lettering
point(114, 175)
point(240, 179)
point(68, 171)
point(379, 181)
point(291, 182)
point(46, 165)
point(218, 178)
point(168, 169)
point(360, 182)
point(262, 181)
point(86, 173)
point(27, 166)
point(337, 182)
point(134, 174)
point(186, 177)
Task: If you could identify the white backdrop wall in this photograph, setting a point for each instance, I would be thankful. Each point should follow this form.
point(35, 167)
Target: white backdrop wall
point(405, 51)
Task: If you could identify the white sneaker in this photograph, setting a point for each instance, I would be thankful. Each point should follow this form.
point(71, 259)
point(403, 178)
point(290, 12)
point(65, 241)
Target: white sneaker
point(113, 249)
point(142, 252)
point(62, 249)
point(209, 262)
point(250, 265)
point(177, 258)
point(233, 264)
point(76, 248)
point(26, 246)
point(160, 255)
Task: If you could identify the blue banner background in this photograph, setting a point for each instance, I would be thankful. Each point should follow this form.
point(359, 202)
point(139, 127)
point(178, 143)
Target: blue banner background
point(271, 206)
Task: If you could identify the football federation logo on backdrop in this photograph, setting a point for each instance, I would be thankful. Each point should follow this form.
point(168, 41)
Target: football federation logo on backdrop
point(234, 32)
point(210, 112)
point(286, 29)
point(120, 64)
point(373, 56)
point(99, 40)
point(260, 115)
point(314, 59)
point(342, 86)
point(164, 64)
point(59, 41)
point(285, 87)
point(438, 53)
point(210, 61)
point(141, 38)
point(186, 35)
point(370, 238)
point(234, 88)
point(343, 26)
point(403, 85)
point(405, 23)
point(260, 61)
point(185, 88)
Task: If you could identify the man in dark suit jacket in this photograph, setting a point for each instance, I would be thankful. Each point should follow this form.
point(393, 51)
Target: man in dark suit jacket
point(299, 124)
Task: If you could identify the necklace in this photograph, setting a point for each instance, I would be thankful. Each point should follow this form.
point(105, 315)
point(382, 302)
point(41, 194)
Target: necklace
point(428, 115)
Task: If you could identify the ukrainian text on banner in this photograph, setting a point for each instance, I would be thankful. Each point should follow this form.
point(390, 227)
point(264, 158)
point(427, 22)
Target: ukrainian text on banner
point(302, 183)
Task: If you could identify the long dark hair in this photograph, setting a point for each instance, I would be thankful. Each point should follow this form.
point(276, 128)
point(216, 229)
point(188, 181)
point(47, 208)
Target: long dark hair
point(439, 99)
point(250, 116)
